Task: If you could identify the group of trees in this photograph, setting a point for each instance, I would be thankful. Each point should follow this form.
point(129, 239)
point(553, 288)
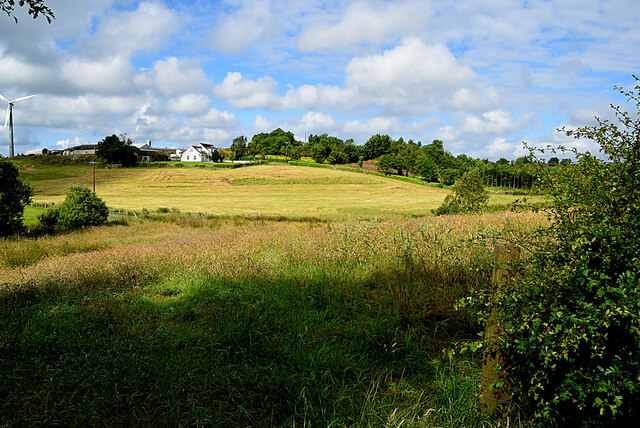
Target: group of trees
point(428, 161)
point(118, 149)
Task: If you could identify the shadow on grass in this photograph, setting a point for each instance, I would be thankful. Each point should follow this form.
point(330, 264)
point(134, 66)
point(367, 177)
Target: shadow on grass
point(243, 353)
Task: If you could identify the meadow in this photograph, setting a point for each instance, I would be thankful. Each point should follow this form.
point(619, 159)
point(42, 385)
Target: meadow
point(267, 190)
point(252, 318)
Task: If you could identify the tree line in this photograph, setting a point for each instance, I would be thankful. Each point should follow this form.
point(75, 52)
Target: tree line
point(431, 162)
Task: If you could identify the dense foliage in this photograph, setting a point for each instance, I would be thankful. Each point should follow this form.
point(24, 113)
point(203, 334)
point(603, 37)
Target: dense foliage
point(572, 318)
point(14, 195)
point(80, 208)
point(114, 149)
point(238, 147)
point(468, 197)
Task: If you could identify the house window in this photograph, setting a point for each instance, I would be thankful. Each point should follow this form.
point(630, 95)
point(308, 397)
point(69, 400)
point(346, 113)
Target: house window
point(187, 157)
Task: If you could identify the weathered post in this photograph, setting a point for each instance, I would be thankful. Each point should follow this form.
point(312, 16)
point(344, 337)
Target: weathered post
point(494, 387)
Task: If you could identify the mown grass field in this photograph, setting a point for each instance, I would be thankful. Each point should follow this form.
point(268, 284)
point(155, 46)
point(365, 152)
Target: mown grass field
point(329, 316)
point(268, 190)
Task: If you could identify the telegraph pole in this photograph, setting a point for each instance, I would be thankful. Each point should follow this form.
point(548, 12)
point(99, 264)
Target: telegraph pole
point(94, 175)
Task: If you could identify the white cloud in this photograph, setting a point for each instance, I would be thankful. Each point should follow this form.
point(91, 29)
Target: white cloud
point(215, 119)
point(491, 122)
point(261, 124)
point(246, 93)
point(15, 72)
point(173, 76)
point(145, 29)
point(315, 96)
point(367, 23)
point(239, 29)
point(189, 104)
point(375, 125)
point(411, 74)
point(499, 148)
point(106, 76)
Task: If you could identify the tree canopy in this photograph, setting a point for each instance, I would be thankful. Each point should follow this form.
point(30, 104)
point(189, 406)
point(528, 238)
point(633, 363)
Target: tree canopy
point(35, 8)
point(14, 195)
point(114, 149)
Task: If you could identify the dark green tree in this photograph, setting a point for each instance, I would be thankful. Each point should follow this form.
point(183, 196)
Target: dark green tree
point(114, 149)
point(238, 147)
point(276, 142)
point(426, 167)
point(14, 195)
point(386, 163)
point(35, 8)
point(377, 146)
point(468, 197)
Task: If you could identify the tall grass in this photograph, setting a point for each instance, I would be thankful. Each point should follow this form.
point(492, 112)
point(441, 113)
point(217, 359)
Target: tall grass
point(244, 322)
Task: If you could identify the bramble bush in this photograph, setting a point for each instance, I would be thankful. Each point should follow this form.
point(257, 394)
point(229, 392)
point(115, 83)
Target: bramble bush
point(80, 208)
point(571, 316)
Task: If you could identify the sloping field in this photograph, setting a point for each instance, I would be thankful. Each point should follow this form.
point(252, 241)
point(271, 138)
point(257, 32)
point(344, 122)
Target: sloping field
point(270, 190)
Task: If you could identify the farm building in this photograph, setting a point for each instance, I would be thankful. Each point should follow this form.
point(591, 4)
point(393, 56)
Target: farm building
point(199, 153)
point(85, 149)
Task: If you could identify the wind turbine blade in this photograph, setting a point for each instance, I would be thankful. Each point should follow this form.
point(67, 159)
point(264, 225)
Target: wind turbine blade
point(23, 98)
point(6, 119)
point(4, 98)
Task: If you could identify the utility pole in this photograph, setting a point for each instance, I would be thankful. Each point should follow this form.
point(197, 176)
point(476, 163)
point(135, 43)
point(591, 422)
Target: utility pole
point(94, 175)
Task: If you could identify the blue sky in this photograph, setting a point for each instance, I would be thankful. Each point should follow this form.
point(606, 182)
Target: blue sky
point(481, 75)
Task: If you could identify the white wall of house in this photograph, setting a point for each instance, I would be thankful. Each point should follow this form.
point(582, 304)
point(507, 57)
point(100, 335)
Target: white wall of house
point(193, 155)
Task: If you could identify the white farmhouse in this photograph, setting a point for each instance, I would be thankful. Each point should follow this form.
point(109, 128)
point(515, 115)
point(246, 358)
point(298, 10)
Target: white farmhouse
point(198, 153)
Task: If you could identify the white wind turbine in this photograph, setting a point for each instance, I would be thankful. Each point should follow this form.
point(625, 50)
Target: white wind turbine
point(9, 119)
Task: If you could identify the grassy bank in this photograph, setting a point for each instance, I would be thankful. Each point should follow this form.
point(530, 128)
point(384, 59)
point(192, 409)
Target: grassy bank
point(244, 322)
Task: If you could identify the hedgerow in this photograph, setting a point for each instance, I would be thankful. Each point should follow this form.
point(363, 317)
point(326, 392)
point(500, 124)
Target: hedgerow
point(571, 316)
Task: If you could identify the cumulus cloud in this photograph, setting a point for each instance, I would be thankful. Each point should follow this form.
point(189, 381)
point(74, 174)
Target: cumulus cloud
point(261, 124)
point(499, 148)
point(105, 76)
point(375, 125)
point(410, 74)
point(239, 29)
point(246, 93)
point(147, 28)
point(172, 76)
point(492, 122)
point(215, 119)
point(367, 23)
point(189, 104)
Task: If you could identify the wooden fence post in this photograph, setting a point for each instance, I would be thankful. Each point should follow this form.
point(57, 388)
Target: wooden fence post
point(494, 396)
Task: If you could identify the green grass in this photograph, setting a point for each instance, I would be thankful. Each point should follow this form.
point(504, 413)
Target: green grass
point(228, 354)
point(260, 190)
point(243, 321)
point(31, 214)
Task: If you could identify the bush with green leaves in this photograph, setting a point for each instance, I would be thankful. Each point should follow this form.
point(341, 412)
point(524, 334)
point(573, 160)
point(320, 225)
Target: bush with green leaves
point(14, 195)
point(571, 317)
point(468, 197)
point(81, 208)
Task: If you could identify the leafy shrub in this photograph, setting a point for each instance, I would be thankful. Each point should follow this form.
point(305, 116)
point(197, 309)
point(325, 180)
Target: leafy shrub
point(47, 222)
point(572, 318)
point(469, 196)
point(80, 208)
point(14, 195)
